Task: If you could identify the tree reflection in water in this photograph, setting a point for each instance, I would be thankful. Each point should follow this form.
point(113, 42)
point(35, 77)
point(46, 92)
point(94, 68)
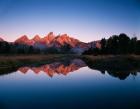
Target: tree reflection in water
point(67, 66)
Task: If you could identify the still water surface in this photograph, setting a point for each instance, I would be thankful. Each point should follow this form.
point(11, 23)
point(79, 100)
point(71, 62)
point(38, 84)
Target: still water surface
point(70, 85)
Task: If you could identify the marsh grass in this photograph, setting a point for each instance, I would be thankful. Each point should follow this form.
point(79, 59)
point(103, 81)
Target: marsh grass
point(118, 62)
point(20, 60)
point(119, 66)
point(111, 62)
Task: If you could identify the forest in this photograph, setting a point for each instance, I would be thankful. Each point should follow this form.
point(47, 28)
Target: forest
point(115, 45)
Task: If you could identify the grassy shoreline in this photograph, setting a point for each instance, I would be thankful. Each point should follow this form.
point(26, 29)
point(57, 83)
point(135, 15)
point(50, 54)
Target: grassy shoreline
point(20, 60)
point(113, 62)
point(102, 61)
point(119, 66)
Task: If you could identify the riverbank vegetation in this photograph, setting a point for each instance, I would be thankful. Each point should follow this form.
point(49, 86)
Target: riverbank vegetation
point(101, 61)
point(119, 66)
point(113, 62)
point(21, 60)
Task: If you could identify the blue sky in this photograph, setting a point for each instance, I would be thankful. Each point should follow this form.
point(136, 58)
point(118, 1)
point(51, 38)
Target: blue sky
point(85, 20)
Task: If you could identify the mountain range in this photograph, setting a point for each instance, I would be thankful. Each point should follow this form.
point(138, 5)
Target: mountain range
point(58, 41)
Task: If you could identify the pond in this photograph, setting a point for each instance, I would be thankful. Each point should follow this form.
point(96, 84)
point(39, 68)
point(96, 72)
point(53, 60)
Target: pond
point(69, 84)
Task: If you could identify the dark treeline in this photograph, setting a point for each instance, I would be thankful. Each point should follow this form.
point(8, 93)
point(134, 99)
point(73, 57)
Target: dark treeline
point(12, 48)
point(117, 44)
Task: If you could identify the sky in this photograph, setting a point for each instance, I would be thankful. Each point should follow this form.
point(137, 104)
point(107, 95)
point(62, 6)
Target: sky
point(86, 20)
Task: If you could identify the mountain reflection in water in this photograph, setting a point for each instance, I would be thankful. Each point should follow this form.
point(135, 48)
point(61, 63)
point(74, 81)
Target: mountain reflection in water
point(67, 66)
point(56, 67)
point(83, 86)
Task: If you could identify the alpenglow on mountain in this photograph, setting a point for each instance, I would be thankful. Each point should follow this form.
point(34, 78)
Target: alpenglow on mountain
point(57, 42)
point(1, 39)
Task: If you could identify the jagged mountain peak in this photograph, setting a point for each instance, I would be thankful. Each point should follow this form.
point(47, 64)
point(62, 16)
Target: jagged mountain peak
point(51, 40)
point(22, 38)
point(36, 38)
point(1, 39)
point(50, 36)
point(57, 42)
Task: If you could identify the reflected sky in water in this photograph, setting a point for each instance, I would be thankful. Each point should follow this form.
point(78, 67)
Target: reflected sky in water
point(82, 88)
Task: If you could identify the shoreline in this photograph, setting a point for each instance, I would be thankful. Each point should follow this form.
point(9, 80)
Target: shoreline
point(113, 63)
point(100, 61)
point(8, 61)
point(120, 65)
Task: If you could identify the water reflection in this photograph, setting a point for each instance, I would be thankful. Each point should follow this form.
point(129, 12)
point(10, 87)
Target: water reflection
point(122, 75)
point(43, 87)
point(5, 71)
point(67, 66)
point(64, 67)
